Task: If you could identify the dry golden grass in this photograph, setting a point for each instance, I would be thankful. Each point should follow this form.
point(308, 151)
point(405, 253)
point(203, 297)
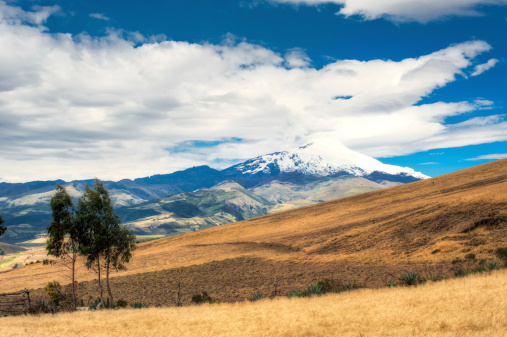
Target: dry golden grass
point(471, 306)
point(421, 226)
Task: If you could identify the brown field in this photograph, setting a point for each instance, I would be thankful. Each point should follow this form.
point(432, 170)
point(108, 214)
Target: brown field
point(471, 306)
point(370, 238)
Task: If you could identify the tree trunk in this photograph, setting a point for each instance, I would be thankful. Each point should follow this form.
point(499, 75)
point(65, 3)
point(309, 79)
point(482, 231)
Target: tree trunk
point(100, 284)
point(107, 284)
point(74, 257)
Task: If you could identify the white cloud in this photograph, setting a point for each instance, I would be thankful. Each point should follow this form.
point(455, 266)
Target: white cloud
point(404, 10)
point(479, 69)
point(494, 156)
point(99, 16)
point(76, 107)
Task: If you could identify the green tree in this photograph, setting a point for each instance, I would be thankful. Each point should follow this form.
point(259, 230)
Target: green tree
point(107, 244)
point(2, 228)
point(65, 234)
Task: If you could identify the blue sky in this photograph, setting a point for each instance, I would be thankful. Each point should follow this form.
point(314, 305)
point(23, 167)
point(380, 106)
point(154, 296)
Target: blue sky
point(125, 89)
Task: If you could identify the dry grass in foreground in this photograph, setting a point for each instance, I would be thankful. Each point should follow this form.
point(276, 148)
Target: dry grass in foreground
point(471, 306)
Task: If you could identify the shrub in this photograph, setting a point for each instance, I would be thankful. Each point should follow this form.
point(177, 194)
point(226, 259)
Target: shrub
point(121, 303)
point(15, 266)
point(54, 291)
point(480, 269)
point(392, 284)
point(256, 296)
point(460, 273)
point(138, 305)
point(432, 278)
point(42, 306)
point(492, 265)
point(107, 304)
point(501, 253)
point(411, 279)
point(203, 298)
point(436, 251)
point(313, 289)
point(470, 256)
point(295, 293)
point(456, 260)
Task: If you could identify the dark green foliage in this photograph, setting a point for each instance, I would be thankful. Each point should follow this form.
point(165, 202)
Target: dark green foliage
point(411, 279)
point(480, 269)
point(492, 265)
point(256, 296)
point(106, 243)
point(456, 260)
point(461, 273)
point(121, 303)
point(203, 298)
point(2, 228)
point(65, 234)
point(2, 252)
point(138, 305)
point(296, 293)
point(313, 289)
point(431, 278)
point(392, 284)
point(106, 305)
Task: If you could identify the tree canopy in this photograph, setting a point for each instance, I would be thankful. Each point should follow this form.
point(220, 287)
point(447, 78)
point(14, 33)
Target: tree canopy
point(2, 228)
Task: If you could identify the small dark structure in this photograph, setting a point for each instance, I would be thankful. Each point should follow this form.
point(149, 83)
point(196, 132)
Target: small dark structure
point(17, 303)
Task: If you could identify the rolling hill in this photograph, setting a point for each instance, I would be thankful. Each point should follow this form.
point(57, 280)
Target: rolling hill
point(299, 177)
point(433, 226)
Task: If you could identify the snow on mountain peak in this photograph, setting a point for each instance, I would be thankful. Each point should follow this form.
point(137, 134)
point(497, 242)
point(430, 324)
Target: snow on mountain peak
point(323, 157)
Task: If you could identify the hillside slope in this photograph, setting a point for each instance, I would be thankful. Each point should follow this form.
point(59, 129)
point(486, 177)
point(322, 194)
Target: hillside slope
point(371, 238)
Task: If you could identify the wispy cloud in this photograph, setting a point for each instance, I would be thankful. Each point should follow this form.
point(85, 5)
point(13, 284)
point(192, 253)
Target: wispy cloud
point(479, 69)
point(494, 156)
point(429, 163)
point(117, 107)
point(404, 10)
point(99, 16)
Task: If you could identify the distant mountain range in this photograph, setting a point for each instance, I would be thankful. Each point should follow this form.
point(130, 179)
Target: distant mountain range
point(201, 197)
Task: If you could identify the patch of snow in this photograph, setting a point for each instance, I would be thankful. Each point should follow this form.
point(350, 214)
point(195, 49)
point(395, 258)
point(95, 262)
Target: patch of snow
point(323, 157)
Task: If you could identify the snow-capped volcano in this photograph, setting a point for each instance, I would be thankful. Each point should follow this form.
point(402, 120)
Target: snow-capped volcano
point(322, 157)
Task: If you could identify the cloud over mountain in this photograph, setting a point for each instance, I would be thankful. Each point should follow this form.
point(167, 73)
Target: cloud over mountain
point(117, 106)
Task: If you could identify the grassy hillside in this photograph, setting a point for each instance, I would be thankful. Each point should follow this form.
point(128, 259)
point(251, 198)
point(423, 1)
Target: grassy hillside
point(182, 212)
point(9, 249)
point(469, 306)
point(435, 226)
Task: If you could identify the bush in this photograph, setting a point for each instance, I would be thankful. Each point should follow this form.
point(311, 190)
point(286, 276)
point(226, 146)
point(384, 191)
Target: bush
point(411, 279)
point(392, 284)
point(313, 289)
point(256, 296)
point(456, 260)
point(460, 273)
point(296, 293)
point(54, 291)
point(203, 298)
point(138, 305)
point(480, 269)
point(492, 265)
point(470, 256)
point(501, 253)
point(121, 303)
point(107, 304)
